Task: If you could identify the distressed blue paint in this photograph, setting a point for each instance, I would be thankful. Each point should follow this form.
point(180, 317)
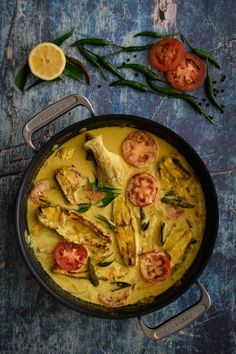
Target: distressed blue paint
point(31, 321)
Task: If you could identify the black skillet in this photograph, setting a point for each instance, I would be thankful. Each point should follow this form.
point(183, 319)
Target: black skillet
point(190, 277)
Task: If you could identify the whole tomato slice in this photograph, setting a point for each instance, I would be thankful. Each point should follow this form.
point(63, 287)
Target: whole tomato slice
point(139, 149)
point(142, 189)
point(155, 266)
point(70, 256)
point(188, 75)
point(167, 54)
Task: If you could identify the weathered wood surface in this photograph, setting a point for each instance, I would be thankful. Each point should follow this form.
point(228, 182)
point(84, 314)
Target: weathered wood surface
point(30, 320)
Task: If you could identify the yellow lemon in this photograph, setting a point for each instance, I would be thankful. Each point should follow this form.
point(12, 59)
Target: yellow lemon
point(47, 61)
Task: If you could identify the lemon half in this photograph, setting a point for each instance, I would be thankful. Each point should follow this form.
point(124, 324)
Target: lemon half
point(47, 61)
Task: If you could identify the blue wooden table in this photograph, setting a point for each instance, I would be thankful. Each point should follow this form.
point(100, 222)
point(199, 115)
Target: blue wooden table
point(30, 320)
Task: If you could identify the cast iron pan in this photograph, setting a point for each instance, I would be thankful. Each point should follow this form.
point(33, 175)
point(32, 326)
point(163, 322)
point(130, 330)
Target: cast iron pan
point(181, 320)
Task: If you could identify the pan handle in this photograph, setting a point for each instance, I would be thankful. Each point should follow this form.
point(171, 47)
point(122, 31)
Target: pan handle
point(181, 320)
point(51, 113)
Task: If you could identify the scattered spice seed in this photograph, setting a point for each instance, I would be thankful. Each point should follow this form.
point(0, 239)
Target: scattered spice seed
point(136, 74)
point(135, 55)
point(214, 82)
point(223, 78)
point(203, 100)
point(128, 59)
point(207, 104)
point(98, 86)
point(222, 91)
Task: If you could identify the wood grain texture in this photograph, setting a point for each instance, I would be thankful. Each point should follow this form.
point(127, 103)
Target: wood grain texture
point(32, 321)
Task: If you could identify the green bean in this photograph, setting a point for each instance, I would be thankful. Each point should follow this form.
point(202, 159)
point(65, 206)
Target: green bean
point(109, 66)
point(210, 92)
point(81, 66)
point(176, 202)
point(93, 41)
point(92, 59)
point(142, 69)
point(155, 34)
point(201, 53)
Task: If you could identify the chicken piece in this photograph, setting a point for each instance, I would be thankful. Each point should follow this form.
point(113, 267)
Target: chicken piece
point(71, 183)
point(126, 231)
point(74, 227)
point(171, 168)
point(111, 167)
point(110, 273)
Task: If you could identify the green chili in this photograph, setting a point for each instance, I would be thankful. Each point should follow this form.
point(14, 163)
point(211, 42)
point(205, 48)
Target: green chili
point(133, 84)
point(109, 66)
point(138, 48)
point(201, 53)
point(93, 41)
point(92, 59)
point(210, 92)
point(154, 34)
point(176, 202)
point(92, 273)
point(142, 69)
point(162, 239)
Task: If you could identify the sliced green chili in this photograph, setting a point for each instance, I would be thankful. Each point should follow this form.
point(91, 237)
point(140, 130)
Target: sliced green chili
point(162, 239)
point(121, 285)
point(92, 273)
point(137, 48)
point(176, 202)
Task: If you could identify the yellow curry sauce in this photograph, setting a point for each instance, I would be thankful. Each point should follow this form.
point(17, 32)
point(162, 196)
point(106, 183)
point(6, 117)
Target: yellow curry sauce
point(175, 230)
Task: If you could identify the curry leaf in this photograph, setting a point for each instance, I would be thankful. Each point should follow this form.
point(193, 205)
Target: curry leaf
point(105, 222)
point(83, 207)
point(59, 40)
point(73, 71)
point(21, 77)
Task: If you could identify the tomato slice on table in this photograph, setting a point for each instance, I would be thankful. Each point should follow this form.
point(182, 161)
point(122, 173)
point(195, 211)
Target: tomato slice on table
point(70, 256)
point(142, 189)
point(139, 149)
point(167, 54)
point(189, 74)
point(155, 266)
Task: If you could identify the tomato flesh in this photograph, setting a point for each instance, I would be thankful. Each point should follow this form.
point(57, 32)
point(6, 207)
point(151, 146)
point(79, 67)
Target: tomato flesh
point(167, 54)
point(142, 189)
point(139, 149)
point(155, 266)
point(189, 74)
point(70, 256)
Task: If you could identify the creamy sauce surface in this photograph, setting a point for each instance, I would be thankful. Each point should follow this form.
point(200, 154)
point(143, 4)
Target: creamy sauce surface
point(183, 234)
